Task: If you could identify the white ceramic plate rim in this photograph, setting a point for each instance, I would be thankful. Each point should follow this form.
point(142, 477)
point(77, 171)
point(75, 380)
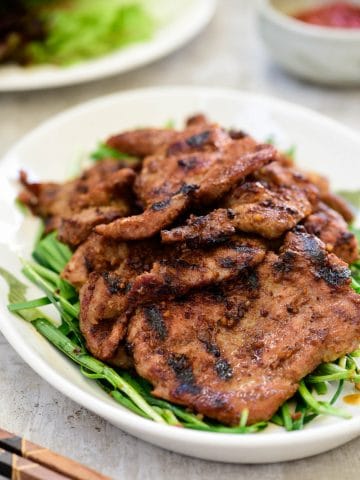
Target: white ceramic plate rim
point(176, 33)
point(128, 420)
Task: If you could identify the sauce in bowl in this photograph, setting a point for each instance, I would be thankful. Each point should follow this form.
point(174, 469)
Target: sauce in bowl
point(337, 15)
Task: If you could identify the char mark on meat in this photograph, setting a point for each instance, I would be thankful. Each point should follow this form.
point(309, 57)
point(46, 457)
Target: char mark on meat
point(295, 319)
point(180, 270)
point(252, 207)
point(167, 186)
point(332, 229)
point(96, 254)
point(100, 195)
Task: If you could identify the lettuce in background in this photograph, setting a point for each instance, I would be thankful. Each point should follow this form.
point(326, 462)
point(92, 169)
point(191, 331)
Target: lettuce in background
point(83, 29)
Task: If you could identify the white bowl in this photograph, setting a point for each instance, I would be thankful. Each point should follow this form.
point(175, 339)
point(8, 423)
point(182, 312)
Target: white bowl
point(50, 153)
point(320, 54)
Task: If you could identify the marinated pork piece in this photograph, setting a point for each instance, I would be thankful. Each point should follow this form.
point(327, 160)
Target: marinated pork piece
point(331, 228)
point(199, 168)
point(181, 270)
point(108, 190)
point(316, 186)
point(76, 228)
point(253, 207)
point(278, 197)
point(281, 173)
point(104, 302)
point(148, 141)
point(329, 198)
point(214, 228)
point(197, 119)
point(96, 254)
point(143, 142)
point(246, 344)
point(104, 185)
point(150, 273)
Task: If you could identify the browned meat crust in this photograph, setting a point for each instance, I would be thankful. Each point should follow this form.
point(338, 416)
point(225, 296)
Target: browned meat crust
point(254, 208)
point(108, 297)
point(148, 141)
point(199, 168)
point(331, 227)
point(76, 228)
point(276, 200)
point(100, 195)
point(282, 173)
point(180, 270)
point(104, 302)
point(211, 229)
point(331, 199)
point(247, 344)
point(143, 142)
point(96, 254)
point(151, 221)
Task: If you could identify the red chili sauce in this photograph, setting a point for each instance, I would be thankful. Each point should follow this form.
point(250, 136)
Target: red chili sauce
point(337, 15)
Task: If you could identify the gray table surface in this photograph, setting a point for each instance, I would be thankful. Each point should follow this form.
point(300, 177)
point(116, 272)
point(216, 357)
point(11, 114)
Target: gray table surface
point(227, 54)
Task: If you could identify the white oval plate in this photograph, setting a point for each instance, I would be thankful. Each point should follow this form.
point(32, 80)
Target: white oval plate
point(187, 18)
point(50, 151)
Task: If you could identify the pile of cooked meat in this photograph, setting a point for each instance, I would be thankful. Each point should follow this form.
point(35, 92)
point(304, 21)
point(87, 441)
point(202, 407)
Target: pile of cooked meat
point(212, 266)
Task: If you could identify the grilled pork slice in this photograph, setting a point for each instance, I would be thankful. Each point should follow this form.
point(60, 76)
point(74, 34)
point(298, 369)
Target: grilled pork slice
point(253, 207)
point(103, 298)
point(200, 167)
point(80, 202)
point(329, 198)
point(248, 343)
point(144, 141)
point(331, 227)
point(180, 270)
point(148, 141)
point(76, 228)
point(149, 273)
point(96, 254)
point(308, 180)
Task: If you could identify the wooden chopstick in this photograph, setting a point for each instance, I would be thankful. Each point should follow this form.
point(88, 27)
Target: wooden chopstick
point(44, 458)
point(19, 468)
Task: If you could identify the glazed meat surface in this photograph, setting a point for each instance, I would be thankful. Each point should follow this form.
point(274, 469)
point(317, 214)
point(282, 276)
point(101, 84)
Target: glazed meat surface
point(99, 195)
point(252, 208)
point(96, 254)
point(326, 196)
point(274, 202)
point(198, 168)
point(248, 343)
point(103, 299)
point(150, 273)
point(177, 272)
point(148, 141)
point(331, 227)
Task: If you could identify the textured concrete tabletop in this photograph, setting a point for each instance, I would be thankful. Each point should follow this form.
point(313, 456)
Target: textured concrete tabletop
point(227, 54)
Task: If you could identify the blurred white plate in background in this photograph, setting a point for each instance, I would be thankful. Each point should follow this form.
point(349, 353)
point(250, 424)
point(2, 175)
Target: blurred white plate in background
point(187, 18)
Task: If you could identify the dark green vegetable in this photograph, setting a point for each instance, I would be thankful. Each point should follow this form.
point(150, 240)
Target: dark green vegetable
point(103, 152)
